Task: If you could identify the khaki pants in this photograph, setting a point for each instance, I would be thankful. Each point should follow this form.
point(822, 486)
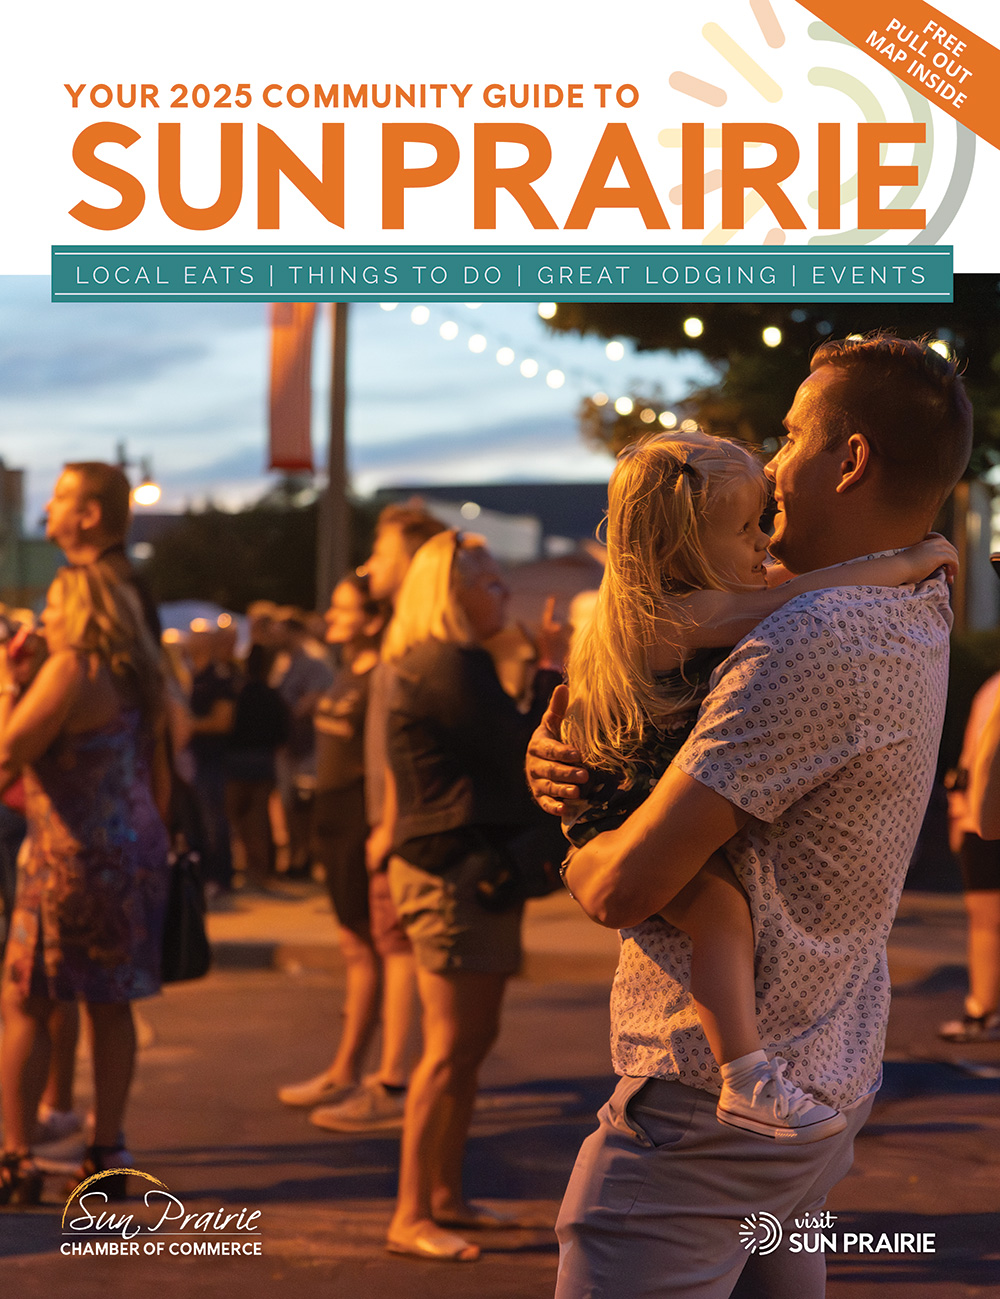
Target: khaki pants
point(659, 1192)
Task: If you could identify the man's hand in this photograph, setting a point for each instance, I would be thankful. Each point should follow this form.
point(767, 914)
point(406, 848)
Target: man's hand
point(553, 768)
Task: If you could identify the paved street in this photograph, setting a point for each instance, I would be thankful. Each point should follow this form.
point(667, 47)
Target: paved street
point(206, 1123)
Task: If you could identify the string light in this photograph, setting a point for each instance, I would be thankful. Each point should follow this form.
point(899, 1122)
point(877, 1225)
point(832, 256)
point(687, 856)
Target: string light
point(555, 378)
point(771, 336)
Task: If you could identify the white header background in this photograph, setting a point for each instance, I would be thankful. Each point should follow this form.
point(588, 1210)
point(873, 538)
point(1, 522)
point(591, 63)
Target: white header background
point(303, 42)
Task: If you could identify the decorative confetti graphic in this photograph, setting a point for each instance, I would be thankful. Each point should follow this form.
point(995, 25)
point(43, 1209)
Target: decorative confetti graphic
point(768, 23)
point(712, 181)
point(863, 99)
point(670, 138)
point(738, 58)
point(751, 206)
point(702, 90)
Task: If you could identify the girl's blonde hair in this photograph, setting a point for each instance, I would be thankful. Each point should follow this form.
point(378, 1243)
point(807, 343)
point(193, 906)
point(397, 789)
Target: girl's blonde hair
point(427, 607)
point(103, 615)
point(658, 495)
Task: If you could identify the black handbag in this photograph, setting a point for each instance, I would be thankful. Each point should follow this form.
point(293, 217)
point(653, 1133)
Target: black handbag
point(523, 866)
point(186, 950)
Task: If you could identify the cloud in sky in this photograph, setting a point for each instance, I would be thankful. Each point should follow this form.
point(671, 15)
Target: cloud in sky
point(186, 384)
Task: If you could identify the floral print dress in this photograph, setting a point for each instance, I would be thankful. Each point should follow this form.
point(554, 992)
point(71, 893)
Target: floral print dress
point(92, 872)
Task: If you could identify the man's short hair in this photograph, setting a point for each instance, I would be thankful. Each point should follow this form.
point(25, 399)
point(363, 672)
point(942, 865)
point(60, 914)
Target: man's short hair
point(109, 487)
point(414, 523)
point(910, 403)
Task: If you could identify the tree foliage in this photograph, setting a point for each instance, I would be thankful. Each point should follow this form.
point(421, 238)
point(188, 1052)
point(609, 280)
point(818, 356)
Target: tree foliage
point(265, 552)
point(755, 383)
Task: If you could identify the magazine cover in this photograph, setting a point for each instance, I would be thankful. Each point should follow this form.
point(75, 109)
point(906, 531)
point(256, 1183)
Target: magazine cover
point(324, 330)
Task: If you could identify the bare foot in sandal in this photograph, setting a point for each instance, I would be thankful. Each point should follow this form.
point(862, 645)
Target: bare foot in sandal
point(428, 1240)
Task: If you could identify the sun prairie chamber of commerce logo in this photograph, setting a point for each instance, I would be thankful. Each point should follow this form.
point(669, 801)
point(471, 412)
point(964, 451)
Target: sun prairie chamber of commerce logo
point(159, 1223)
point(760, 1233)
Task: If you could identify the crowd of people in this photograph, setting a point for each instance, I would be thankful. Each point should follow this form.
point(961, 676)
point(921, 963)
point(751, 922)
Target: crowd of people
point(740, 763)
point(304, 757)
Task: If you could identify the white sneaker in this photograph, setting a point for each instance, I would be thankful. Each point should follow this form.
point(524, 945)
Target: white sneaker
point(317, 1091)
point(771, 1106)
point(372, 1107)
point(55, 1125)
point(972, 1028)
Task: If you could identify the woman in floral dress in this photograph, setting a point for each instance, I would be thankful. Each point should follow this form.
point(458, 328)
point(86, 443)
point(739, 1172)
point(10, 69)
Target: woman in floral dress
point(88, 916)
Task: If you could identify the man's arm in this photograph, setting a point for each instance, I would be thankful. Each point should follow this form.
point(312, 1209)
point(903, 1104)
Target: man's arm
point(626, 875)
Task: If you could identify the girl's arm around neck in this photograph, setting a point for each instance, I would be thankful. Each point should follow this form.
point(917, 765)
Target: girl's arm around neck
point(710, 619)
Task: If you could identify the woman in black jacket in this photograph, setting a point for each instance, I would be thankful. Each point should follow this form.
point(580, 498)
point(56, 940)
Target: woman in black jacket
point(456, 748)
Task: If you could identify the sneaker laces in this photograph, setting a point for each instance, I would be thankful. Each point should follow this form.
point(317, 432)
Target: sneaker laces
point(788, 1099)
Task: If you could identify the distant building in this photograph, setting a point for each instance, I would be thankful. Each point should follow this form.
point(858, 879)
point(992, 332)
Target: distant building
point(565, 514)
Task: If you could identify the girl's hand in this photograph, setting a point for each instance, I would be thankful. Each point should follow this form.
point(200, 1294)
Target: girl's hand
point(925, 558)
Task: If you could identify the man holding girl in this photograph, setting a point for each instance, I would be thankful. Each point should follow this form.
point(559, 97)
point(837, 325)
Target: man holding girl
point(808, 770)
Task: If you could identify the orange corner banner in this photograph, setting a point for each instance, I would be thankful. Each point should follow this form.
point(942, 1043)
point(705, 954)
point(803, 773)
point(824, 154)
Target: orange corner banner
point(291, 386)
point(951, 66)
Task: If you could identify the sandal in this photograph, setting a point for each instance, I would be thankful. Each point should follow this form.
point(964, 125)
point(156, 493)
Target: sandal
point(21, 1180)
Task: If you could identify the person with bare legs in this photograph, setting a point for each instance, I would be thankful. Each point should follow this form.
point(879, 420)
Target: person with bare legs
point(92, 879)
point(354, 624)
point(377, 1103)
point(455, 745)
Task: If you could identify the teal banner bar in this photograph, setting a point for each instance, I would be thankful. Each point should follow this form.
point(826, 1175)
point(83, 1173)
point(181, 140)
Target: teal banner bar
point(531, 274)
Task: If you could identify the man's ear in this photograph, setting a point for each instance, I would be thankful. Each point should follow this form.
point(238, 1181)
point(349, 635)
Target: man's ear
point(90, 515)
point(855, 462)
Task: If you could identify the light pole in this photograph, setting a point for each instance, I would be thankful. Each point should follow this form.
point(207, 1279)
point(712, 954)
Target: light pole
point(333, 524)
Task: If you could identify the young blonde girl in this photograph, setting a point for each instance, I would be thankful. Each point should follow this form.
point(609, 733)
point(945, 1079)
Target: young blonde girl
point(685, 580)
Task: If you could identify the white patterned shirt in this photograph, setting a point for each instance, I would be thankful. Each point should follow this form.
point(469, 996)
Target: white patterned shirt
point(824, 725)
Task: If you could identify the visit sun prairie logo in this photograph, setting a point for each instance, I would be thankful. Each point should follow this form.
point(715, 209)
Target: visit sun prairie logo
point(762, 1233)
point(158, 1224)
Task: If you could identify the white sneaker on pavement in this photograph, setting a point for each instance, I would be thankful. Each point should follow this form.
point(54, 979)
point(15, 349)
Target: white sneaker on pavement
point(771, 1106)
point(971, 1028)
point(372, 1107)
point(316, 1091)
point(56, 1125)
